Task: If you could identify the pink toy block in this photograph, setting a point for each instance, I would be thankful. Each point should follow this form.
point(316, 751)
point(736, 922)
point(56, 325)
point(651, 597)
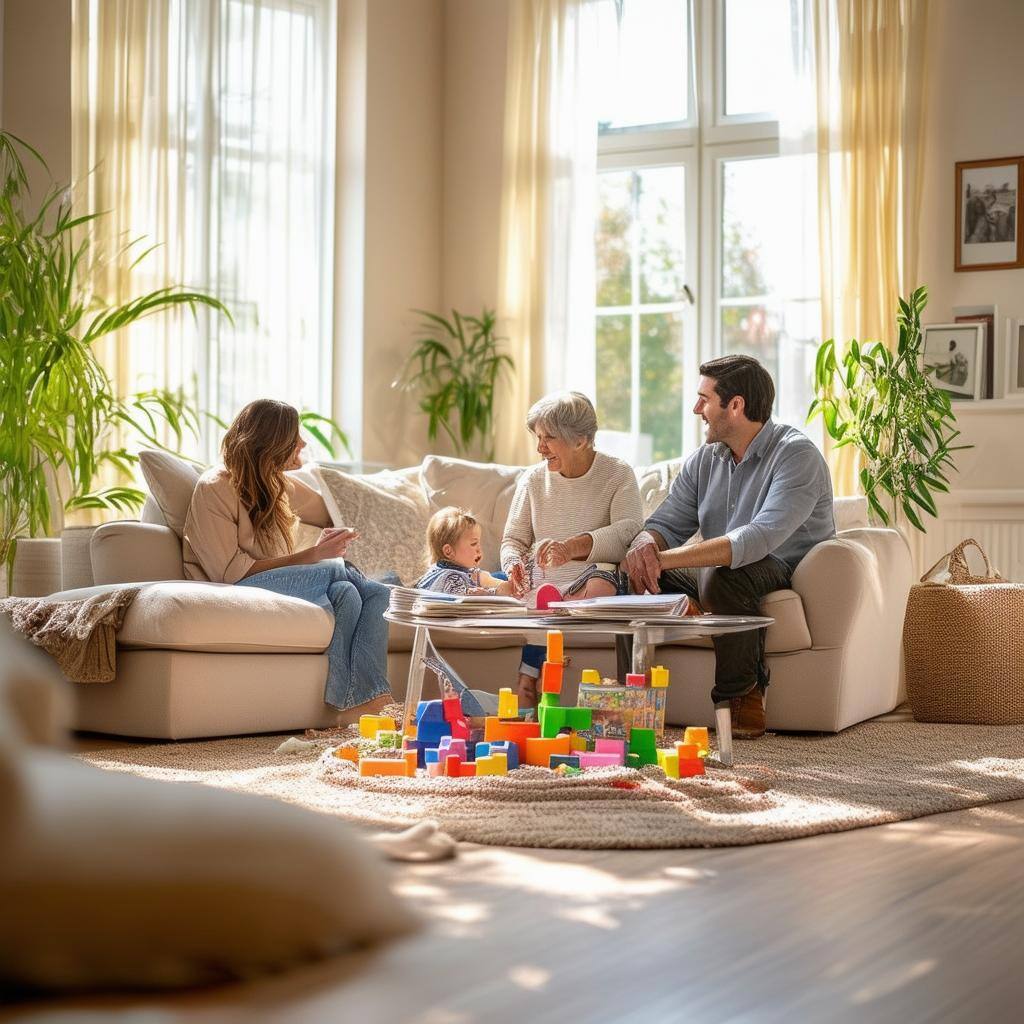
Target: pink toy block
point(546, 594)
point(589, 759)
point(434, 769)
point(609, 746)
point(450, 745)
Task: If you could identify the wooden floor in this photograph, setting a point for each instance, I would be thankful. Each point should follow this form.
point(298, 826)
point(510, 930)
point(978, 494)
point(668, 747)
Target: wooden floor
point(917, 921)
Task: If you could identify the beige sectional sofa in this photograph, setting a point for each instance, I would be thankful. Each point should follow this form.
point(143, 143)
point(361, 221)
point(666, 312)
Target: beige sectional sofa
point(200, 659)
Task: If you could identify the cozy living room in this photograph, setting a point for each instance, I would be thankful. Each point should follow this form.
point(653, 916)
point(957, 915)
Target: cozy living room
point(492, 489)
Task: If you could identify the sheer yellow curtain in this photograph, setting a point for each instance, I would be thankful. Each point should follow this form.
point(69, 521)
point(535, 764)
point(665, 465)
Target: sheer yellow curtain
point(546, 286)
point(869, 68)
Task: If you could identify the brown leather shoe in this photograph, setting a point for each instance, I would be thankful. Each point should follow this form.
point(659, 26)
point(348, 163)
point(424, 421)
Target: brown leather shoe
point(747, 713)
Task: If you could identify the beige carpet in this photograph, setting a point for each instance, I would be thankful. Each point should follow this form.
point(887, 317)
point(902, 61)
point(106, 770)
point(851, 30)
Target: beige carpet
point(782, 787)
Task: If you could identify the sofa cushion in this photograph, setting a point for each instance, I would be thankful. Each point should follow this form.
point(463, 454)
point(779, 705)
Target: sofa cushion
point(390, 512)
point(171, 482)
point(483, 489)
point(183, 615)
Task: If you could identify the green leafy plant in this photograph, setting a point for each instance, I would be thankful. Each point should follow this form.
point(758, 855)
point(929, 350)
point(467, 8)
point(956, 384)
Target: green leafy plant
point(455, 367)
point(901, 424)
point(57, 403)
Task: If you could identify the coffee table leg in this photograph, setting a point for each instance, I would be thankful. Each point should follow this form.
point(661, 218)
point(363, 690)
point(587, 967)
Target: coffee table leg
point(643, 653)
point(723, 727)
point(414, 685)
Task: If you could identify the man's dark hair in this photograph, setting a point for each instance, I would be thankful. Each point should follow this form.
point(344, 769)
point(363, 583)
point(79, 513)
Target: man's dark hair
point(746, 377)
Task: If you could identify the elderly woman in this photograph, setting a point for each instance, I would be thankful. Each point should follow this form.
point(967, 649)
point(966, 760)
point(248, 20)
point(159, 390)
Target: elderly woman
point(573, 515)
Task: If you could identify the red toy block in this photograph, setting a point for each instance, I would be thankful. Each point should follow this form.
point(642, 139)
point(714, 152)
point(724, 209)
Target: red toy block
point(551, 677)
point(547, 593)
point(453, 766)
point(460, 729)
point(691, 766)
point(452, 708)
point(467, 769)
point(636, 679)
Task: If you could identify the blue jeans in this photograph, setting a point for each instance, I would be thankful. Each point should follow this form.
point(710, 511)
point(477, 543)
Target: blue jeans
point(357, 658)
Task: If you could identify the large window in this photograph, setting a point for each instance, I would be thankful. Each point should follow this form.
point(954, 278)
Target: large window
point(703, 243)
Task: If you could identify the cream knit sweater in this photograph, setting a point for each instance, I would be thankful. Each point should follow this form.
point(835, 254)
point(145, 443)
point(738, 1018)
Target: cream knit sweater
point(604, 502)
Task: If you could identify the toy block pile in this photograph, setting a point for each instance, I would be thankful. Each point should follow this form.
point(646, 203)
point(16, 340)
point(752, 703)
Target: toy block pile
point(564, 739)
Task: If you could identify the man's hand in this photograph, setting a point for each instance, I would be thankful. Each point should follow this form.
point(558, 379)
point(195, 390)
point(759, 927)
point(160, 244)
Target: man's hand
point(642, 564)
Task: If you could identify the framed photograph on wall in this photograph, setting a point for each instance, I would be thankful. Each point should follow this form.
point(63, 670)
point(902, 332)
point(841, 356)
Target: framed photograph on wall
point(953, 358)
point(987, 235)
point(1015, 358)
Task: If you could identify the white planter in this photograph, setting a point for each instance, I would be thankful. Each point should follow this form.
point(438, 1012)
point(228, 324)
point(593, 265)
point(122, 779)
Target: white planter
point(75, 560)
point(36, 567)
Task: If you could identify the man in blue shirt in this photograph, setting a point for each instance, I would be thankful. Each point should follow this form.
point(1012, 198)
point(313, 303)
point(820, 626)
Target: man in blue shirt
point(760, 494)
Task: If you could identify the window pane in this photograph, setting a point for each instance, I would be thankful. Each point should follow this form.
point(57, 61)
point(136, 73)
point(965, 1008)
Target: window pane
point(612, 238)
point(614, 372)
point(757, 55)
point(644, 57)
point(662, 223)
point(661, 382)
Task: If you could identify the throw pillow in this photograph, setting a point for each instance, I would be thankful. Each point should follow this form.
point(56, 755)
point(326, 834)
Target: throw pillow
point(485, 490)
point(108, 880)
point(171, 482)
point(390, 512)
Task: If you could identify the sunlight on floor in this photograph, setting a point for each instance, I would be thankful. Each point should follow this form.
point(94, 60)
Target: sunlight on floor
point(529, 977)
point(891, 980)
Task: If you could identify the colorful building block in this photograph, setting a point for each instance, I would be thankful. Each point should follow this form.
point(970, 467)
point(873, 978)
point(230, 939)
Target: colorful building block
point(607, 746)
point(577, 742)
point(668, 761)
point(636, 679)
point(556, 651)
point(508, 703)
point(467, 770)
point(539, 751)
point(435, 769)
point(411, 762)
point(699, 735)
point(507, 750)
point(551, 676)
point(633, 761)
point(687, 751)
point(382, 766)
point(570, 759)
point(453, 766)
point(370, 725)
point(590, 676)
point(390, 738)
point(450, 745)
point(694, 766)
point(492, 764)
point(430, 722)
point(419, 748)
point(659, 676)
point(554, 720)
point(642, 742)
point(516, 732)
point(592, 760)
point(346, 753)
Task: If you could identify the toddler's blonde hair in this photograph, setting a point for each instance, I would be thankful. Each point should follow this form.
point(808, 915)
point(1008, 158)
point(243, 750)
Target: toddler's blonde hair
point(446, 526)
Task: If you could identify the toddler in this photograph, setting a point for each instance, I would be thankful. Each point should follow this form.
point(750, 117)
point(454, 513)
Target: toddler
point(453, 539)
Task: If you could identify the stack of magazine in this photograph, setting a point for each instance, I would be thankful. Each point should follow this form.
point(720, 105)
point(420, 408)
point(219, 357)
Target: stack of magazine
point(629, 608)
point(411, 603)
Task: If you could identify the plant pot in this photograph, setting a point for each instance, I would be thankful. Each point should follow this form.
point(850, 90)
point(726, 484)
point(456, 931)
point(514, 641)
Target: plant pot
point(75, 560)
point(36, 567)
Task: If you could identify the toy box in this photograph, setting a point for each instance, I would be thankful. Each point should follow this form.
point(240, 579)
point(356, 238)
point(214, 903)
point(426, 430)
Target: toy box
point(618, 708)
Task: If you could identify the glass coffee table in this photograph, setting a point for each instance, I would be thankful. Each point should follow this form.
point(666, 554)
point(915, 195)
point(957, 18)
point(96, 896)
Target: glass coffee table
point(646, 635)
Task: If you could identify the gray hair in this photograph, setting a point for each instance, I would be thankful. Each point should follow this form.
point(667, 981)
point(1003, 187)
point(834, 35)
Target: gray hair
point(568, 415)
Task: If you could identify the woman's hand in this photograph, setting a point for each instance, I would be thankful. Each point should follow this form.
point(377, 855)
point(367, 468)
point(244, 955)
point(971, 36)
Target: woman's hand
point(552, 553)
point(333, 543)
point(517, 579)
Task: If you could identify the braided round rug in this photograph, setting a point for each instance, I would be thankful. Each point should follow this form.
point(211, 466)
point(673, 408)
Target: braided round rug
point(781, 787)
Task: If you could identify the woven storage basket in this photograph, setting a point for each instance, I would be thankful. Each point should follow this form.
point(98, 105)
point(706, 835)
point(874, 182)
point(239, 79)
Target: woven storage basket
point(963, 645)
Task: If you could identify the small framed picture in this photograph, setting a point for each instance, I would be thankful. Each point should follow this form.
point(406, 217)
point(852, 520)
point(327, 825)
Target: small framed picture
point(986, 214)
point(953, 358)
point(986, 316)
point(1015, 358)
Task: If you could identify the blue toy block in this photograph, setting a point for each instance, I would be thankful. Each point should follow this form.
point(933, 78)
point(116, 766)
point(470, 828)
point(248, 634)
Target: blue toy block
point(429, 711)
point(482, 750)
point(572, 760)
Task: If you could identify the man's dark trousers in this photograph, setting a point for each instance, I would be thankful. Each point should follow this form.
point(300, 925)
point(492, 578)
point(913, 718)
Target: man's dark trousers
point(739, 657)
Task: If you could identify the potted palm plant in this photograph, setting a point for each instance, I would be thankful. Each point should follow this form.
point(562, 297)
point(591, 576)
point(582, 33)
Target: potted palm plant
point(900, 423)
point(57, 403)
point(455, 368)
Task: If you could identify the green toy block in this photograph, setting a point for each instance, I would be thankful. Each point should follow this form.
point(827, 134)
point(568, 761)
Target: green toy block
point(633, 761)
point(549, 700)
point(642, 743)
point(552, 721)
point(579, 719)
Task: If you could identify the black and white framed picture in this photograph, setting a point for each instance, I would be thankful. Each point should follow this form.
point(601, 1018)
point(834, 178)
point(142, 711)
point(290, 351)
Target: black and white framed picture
point(953, 357)
point(986, 214)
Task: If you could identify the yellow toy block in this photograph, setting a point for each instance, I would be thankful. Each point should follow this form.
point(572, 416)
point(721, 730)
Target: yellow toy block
point(668, 761)
point(382, 766)
point(539, 751)
point(555, 649)
point(590, 676)
point(576, 742)
point(508, 703)
point(699, 735)
point(370, 725)
point(492, 764)
point(659, 676)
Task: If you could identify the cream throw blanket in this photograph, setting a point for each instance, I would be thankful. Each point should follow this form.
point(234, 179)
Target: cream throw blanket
point(79, 634)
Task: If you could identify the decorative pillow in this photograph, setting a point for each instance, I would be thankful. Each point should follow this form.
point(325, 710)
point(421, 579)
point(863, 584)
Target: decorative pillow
point(391, 514)
point(655, 482)
point(850, 513)
point(107, 880)
point(484, 489)
point(171, 482)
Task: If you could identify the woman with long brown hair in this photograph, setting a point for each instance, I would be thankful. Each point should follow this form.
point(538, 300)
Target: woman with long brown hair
point(239, 530)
